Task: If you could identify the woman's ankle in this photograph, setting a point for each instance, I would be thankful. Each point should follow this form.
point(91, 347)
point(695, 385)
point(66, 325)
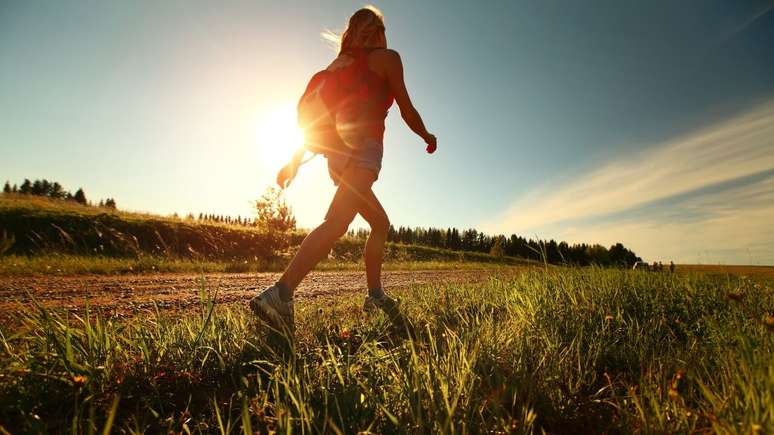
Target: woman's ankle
point(377, 292)
point(285, 292)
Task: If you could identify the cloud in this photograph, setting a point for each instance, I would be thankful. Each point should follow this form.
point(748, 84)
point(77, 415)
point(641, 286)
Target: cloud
point(727, 226)
point(709, 190)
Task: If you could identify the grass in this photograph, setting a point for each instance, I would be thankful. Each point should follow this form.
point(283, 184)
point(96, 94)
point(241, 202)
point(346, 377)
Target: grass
point(41, 226)
point(560, 350)
point(44, 205)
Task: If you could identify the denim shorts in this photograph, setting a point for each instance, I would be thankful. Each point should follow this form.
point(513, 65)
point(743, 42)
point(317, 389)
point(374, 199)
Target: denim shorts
point(367, 156)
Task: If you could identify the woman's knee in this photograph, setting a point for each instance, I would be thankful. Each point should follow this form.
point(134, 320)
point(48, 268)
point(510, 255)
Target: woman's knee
point(380, 224)
point(337, 226)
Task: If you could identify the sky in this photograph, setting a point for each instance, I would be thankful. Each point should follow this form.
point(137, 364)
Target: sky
point(649, 123)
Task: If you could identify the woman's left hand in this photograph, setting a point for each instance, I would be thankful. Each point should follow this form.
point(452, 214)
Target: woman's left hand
point(286, 175)
point(288, 172)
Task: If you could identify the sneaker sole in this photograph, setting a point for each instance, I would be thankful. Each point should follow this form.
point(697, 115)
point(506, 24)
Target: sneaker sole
point(267, 314)
point(391, 310)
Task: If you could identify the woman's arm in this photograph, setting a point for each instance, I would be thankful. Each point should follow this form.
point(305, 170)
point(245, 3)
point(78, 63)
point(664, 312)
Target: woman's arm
point(289, 171)
point(394, 75)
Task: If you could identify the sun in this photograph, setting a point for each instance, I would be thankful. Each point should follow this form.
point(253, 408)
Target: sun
point(277, 135)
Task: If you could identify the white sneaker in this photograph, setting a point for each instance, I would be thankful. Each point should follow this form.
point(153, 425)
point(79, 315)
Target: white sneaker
point(270, 308)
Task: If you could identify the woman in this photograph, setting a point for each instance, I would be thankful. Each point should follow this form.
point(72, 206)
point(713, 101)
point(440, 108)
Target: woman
point(364, 40)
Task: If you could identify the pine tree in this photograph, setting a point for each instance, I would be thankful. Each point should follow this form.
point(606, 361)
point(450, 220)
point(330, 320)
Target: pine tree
point(101, 203)
point(15, 189)
point(37, 188)
point(7, 187)
point(80, 197)
point(56, 190)
point(45, 188)
point(26, 187)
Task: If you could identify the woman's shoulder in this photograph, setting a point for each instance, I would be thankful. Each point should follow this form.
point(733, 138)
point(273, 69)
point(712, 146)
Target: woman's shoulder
point(386, 57)
point(386, 53)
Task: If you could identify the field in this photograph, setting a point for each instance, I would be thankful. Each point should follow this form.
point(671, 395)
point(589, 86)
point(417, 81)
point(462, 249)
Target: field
point(562, 350)
point(722, 270)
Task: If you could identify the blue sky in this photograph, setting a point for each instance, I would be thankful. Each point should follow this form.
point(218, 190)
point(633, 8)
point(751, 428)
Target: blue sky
point(649, 123)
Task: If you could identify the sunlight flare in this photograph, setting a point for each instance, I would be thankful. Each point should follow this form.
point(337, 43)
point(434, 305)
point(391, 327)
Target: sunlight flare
point(277, 135)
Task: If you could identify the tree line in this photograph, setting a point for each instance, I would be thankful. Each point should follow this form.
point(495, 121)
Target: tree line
point(223, 219)
point(53, 190)
point(471, 240)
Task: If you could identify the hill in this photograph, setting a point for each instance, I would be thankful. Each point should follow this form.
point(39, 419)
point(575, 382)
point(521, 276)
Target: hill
point(74, 238)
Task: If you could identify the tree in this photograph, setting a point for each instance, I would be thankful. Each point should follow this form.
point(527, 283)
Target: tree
point(45, 187)
point(110, 203)
point(597, 254)
point(273, 213)
point(80, 197)
point(497, 247)
point(26, 187)
point(15, 188)
point(469, 239)
point(37, 188)
point(56, 191)
point(7, 187)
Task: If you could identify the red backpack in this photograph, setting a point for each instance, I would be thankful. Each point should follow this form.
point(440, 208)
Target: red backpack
point(329, 109)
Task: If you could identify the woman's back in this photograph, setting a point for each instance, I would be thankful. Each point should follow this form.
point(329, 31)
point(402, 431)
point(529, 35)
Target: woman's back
point(368, 67)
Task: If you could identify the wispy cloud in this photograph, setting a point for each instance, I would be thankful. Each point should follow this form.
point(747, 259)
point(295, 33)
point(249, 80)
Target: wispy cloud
point(740, 27)
point(716, 183)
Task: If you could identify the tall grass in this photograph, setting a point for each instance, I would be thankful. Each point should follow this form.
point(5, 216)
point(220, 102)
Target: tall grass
point(40, 226)
point(560, 350)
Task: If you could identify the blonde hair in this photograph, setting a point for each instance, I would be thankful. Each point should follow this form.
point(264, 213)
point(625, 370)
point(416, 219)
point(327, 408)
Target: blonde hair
point(361, 28)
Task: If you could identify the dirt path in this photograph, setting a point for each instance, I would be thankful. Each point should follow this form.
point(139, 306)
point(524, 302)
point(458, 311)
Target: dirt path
point(131, 294)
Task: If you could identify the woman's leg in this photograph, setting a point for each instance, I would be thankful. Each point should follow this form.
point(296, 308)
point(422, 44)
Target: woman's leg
point(352, 194)
point(373, 212)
